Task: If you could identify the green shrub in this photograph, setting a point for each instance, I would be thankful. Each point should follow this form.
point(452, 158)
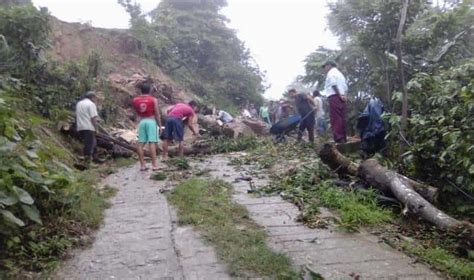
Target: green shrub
point(44, 205)
point(440, 130)
point(25, 31)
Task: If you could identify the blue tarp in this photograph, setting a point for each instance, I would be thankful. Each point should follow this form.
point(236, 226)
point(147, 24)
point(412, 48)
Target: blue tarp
point(285, 125)
point(370, 121)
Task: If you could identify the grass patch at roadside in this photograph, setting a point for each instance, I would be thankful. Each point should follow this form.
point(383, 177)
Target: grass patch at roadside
point(442, 260)
point(239, 242)
point(310, 186)
point(356, 209)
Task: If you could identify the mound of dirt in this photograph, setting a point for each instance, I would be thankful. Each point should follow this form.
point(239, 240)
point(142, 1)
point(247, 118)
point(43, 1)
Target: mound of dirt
point(119, 51)
point(122, 67)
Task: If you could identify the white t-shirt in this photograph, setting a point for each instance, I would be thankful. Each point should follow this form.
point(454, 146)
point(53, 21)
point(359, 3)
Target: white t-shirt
point(85, 111)
point(246, 113)
point(335, 78)
point(318, 102)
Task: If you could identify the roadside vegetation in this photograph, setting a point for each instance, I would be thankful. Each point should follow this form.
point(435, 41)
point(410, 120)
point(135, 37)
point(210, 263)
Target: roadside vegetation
point(436, 145)
point(239, 242)
point(298, 175)
point(209, 59)
point(46, 206)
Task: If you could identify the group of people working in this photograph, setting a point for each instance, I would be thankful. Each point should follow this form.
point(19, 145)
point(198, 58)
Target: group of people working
point(150, 124)
point(309, 108)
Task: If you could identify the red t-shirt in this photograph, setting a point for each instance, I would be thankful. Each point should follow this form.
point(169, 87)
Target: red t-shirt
point(144, 105)
point(180, 111)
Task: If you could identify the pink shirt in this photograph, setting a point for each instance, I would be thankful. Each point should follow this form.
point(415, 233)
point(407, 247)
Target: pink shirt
point(180, 111)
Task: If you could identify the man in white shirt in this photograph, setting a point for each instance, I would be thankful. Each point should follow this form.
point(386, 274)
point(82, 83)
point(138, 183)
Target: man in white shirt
point(336, 88)
point(86, 124)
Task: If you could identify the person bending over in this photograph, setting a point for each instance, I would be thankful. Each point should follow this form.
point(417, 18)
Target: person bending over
point(178, 115)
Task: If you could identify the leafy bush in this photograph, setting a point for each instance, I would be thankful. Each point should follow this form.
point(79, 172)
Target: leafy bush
point(25, 31)
point(44, 205)
point(441, 133)
point(191, 43)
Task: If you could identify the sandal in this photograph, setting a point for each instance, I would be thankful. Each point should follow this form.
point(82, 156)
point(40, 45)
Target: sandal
point(144, 169)
point(155, 169)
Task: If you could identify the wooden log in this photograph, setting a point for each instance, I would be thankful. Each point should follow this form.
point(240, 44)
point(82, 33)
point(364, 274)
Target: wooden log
point(344, 166)
point(122, 144)
point(332, 157)
point(380, 177)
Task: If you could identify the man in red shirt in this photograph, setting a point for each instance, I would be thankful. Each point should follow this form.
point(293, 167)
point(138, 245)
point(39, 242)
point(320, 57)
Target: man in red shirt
point(147, 109)
point(174, 128)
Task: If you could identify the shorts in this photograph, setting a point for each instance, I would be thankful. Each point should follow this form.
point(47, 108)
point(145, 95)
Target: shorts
point(174, 129)
point(147, 131)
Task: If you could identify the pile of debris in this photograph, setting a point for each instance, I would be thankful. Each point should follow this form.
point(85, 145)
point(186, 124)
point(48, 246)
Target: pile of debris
point(165, 92)
point(239, 127)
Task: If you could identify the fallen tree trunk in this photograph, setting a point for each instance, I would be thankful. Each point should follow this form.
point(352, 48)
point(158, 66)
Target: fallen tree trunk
point(174, 151)
point(119, 143)
point(339, 163)
point(344, 166)
point(414, 196)
point(380, 177)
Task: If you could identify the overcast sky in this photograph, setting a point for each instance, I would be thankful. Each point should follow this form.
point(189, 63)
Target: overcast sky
point(279, 33)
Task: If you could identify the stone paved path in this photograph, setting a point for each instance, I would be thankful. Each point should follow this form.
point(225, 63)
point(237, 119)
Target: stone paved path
point(333, 254)
point(140, 239)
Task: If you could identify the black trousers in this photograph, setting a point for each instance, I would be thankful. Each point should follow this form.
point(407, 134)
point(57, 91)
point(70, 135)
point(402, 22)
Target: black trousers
point(89, 140)
point(308, 124)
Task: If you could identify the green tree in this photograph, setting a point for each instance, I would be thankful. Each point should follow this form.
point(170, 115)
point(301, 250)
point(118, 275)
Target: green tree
point(436, 54)
point(24, 35)
point(191, 42)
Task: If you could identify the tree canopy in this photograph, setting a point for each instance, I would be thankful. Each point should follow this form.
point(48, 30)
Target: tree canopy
point(191, 42)
point(437, 53)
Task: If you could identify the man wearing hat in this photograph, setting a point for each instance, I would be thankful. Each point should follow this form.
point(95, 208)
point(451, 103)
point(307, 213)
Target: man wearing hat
point(336, 88)
point(86, 123)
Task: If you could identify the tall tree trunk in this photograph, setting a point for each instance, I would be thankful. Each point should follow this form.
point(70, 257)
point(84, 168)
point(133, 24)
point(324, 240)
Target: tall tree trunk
point(403, 15)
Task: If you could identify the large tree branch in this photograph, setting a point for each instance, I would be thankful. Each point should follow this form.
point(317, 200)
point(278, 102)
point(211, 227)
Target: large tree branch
point(416, 197)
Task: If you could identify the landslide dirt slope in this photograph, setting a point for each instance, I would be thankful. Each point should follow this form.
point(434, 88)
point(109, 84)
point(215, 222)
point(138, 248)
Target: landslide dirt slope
point(119, 52)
